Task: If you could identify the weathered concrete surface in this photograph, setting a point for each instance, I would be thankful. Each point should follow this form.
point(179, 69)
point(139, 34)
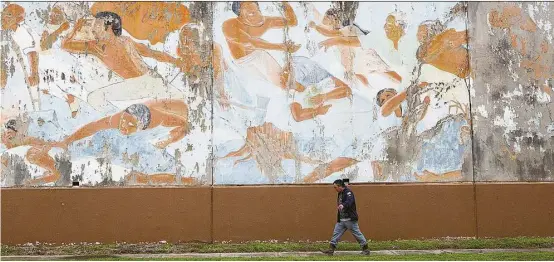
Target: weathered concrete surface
point(283, 254)
point(512, 58)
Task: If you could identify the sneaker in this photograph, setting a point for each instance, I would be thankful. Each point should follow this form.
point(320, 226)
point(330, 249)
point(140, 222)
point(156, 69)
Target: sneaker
point(329, 251)
point(365, 250)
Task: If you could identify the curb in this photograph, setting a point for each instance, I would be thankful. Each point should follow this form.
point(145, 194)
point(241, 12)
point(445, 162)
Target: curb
point(274, 254)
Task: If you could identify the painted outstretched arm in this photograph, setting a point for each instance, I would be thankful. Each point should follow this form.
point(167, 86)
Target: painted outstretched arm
point(393, 104)
point(48, 39)
point(92, 128)
point(144, 51)
point(342, 91)
point(350, 41)
point(289, 18)
point(324, 30)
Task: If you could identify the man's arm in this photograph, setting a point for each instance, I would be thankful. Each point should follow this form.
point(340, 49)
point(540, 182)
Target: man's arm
point(33, 62)
point(93, 128)
point(349, 199)
point(237, 35)
point(325, 31)
point(160, 56)
point(280, 22)
point(342, 40)
point(48, 39)
point(393, 103)
point(78, 46)
point(300, 114)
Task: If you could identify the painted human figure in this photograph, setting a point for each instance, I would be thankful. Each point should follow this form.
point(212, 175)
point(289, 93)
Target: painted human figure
point(25, 46)
point(243, 35)
point(124, 57)
point(347, 36)
point(139, 118)
point(15, 135)
point(151, 21)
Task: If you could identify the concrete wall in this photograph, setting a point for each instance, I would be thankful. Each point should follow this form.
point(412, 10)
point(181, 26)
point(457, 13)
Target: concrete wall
point(296, 213)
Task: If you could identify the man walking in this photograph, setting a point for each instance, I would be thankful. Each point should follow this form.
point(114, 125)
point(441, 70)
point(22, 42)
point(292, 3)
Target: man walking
point(347, 218)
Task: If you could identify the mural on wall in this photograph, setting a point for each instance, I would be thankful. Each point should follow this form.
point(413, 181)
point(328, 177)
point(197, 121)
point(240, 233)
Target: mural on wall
point(512, 102)
point(311, 92)
point(179, 93)
point(107, 93)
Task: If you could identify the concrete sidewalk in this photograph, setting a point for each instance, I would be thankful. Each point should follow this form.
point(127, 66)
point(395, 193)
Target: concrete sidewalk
point(274, 254)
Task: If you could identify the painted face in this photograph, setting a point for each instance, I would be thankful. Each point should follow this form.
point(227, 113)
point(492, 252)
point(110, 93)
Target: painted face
point(422, 33)
point(57, 16)
point(11, 16)
point(250, 13)
point(98, 28)
point(127, 124)
point(10, 134)
point(386, 96)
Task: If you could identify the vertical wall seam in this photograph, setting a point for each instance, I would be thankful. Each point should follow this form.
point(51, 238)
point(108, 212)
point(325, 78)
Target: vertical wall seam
point(212, 162)
point(468, 27)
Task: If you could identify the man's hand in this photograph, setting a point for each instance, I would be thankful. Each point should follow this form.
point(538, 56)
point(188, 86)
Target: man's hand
point(340, 207)
point(33, 80)
point(427, 100)
point(291, 47)
point(318, 99)
point(322, 110)
point(162, 144)
point(325, 44)
point(64, 26)
point(312, 24)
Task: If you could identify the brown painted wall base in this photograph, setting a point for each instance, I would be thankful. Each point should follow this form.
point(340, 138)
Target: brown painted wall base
point(244, 213)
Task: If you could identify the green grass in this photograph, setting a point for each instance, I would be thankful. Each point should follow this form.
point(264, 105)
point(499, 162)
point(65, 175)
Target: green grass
point(166, 248)
point(500, 256)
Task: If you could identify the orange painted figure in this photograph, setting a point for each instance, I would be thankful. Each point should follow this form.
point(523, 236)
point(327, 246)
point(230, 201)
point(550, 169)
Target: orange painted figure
point(268, 146)
point(443, 49)
point(151, 21)
point(139, 117)
point(15, 135)
point(101, 37)
point(243, 35)
point(346, 35)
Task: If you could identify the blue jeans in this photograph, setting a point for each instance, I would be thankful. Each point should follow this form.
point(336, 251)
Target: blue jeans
point(342, 226)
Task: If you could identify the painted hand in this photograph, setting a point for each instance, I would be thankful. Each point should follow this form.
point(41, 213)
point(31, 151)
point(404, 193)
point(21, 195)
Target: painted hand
point(427, 100)
point(162, 144)
point(291, 47)
point(322, 110)
point(325, 44)
point(33, 79)
point(312, 24)
point(317, 99)
point(64, 26)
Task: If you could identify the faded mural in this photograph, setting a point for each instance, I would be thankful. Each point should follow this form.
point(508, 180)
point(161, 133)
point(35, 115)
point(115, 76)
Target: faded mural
point(107, 93)
point(179, 93)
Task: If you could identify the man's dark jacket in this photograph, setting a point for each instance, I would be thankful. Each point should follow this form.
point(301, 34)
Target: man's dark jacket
point(348, 203)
